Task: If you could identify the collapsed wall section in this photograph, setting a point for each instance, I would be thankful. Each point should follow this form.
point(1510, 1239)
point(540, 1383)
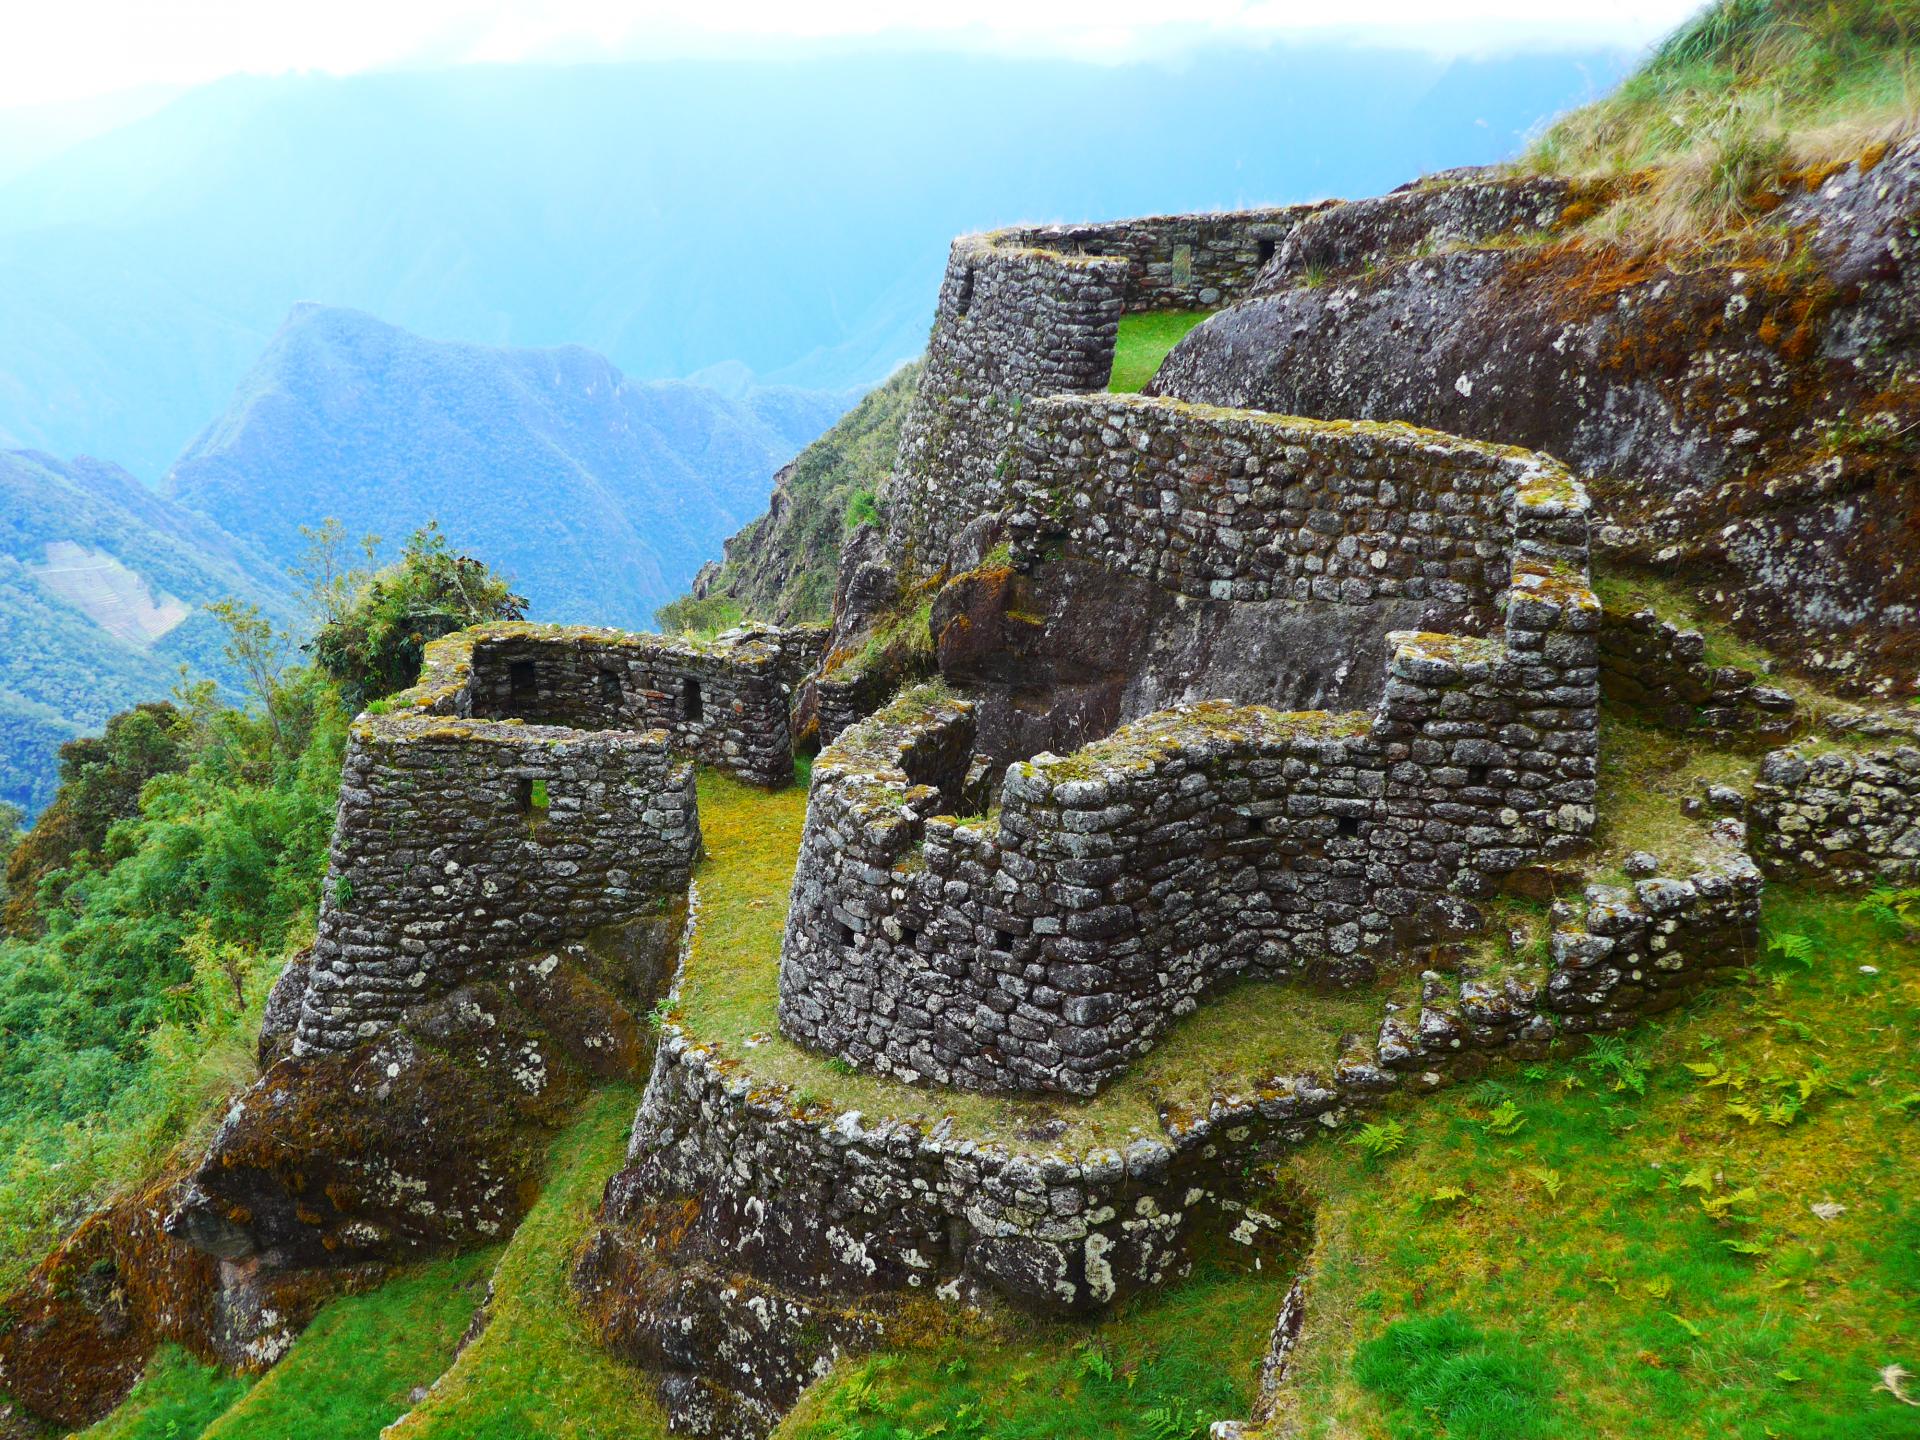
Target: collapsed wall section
point(1045, 947)
point(462, 841)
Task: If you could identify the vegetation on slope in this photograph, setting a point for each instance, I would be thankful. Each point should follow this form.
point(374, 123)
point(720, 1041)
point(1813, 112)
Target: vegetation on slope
point(1162, 1366)
point(1145, 339)
point(153, 906)
point(536, 1369)
point(781, 566)
point(1708, 1228)
point(1744, 92)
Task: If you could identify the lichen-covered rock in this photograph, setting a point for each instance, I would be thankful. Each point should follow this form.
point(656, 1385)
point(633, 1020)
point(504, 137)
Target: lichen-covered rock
point(1746, 404)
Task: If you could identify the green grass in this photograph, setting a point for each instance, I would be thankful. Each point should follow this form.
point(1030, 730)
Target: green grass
point(536, 1370)
point(1739, 95)
point(1164, 1366)
point(1654, 1258)
point(730, 993)
point(1145, 340)
point(352, 1372)
point(177, 1398)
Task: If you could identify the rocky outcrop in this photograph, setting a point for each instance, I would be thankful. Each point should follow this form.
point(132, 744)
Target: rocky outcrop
point(1743, 406)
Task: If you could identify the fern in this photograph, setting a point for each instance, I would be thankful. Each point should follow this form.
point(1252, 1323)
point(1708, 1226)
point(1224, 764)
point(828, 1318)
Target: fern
point(1893, 908)
point(1609, 1059)
point(1794, 947)
point(1378, 1139)
point(1504, 1119)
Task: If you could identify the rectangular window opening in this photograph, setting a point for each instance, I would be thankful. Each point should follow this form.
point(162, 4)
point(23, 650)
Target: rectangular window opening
point(1348, 827)
point(611, 693)
point(1182, 264)
point(522, 680)
point(1267, 249)
point(692, 704)
point(964, 300)
point(532, 798)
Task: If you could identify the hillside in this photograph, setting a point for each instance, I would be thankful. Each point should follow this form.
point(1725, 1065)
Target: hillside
point(599, 495)
point(671, 217)
point(1345, 865)
point(781, 566)
point(100, 587)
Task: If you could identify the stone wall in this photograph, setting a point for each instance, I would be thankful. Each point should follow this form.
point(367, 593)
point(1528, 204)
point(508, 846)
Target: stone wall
point(1241, 505)
point(1839, 816)
point(1035, 311)
point(752, 1234)
point(725, 702)
point(1655, 667)
point(1175, 262)
point(462, 841)
point(1045, 947)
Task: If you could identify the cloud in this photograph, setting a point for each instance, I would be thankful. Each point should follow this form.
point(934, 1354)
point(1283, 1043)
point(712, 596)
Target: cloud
point(92, 47)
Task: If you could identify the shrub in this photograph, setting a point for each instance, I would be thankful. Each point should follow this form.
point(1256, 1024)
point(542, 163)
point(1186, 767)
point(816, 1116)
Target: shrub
point(372, 644)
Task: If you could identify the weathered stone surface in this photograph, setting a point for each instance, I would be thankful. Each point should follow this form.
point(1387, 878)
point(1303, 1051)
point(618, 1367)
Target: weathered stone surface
point(1707, 389)
point(1049, 948)
point(1840, 817)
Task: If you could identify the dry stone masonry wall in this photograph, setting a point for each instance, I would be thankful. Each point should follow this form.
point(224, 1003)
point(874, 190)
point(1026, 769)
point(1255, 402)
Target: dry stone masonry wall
point(1839, 816)
point(1046, 947)
point(1242, 505)
point(1035, 311)
point(461, 841)
point(724, 702)
point(1661, 670)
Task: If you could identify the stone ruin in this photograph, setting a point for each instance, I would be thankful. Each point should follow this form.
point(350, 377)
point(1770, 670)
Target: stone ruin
point(1224, 694)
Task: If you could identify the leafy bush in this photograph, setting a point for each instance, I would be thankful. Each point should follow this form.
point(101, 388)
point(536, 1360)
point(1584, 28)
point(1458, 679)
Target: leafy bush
point(376, 627)
point(124, 1024)
point(700, 618)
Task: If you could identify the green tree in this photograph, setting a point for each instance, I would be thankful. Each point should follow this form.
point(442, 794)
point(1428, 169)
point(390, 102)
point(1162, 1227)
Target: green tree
point(373, 644)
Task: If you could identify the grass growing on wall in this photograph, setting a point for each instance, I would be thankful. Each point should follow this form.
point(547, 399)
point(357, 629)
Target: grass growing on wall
point(1145, 340)
point(1638, 1252)
point(536, 1370)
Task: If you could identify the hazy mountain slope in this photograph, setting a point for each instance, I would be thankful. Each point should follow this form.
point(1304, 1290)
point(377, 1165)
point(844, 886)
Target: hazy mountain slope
point(671, 217)
point(781, 566)
point(101, 589)
point(600, 496)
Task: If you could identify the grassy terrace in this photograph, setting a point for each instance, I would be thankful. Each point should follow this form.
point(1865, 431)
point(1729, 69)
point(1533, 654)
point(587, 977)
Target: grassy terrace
point(1638, 1250)
point(1145, 340)
point(730, 992)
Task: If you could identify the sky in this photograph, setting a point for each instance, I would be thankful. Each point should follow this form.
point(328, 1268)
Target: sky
point(80, 49)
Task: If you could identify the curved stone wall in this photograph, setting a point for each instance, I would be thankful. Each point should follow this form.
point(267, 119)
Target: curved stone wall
point(709, 1270)
point(1033, 311)
point(461, 841)
point(1047, 946)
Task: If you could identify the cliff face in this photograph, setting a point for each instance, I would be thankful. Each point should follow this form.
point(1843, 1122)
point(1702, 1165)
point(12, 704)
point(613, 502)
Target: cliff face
point(1741, 405)
point(781, 566)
